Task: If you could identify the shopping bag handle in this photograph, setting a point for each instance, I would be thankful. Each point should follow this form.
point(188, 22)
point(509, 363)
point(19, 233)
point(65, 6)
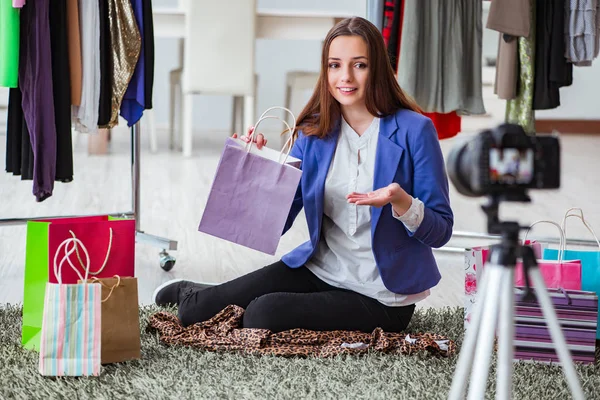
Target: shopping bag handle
point(289, 143)
point(562, 245)
point(110, 239)
point(67, 258)
point(94, 280)
point(582, 218)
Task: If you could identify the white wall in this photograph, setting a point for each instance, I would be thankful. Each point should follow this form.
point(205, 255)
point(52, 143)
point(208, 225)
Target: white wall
point(273, 59)
point(581, 100)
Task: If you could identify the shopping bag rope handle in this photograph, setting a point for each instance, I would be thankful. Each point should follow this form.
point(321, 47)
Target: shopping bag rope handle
point(582, 218)
point(564, 292)
point(289, 143)
point(67, 257)
point(96, 280)
point(562, 245)
point(105, 258)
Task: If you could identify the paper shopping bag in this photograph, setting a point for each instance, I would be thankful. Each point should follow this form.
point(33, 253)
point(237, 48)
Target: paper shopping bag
point(590, 259)
point(111, 246)
point(251, 195)
point(70, 342)
point(475, 259)
point(577, 313)
point(556, 274)
point(120, 319)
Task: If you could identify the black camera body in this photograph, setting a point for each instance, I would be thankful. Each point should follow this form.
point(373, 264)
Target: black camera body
point(503, 161)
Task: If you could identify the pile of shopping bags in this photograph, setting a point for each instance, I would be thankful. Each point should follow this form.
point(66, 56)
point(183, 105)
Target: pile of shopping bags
point(572, 277)
point(80, 303)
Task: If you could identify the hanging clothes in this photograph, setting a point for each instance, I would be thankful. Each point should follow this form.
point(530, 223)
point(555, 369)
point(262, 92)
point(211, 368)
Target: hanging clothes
point(133, 104)
point(441, 55)
point(148, 53)
point(74, 40)
point(126, 44)
point(61, 89)
point(19, 154)
point(507, 67)
point(9, 44)
point(388, 20)
point(512, 19)
point(375, 13)
point(18, 3)
point(35, 80)
point(106, 67)
point(552, 70)
point(520, 110)
point(446, 125)
point(583, 33)
point(393, 42)
point(85, 116)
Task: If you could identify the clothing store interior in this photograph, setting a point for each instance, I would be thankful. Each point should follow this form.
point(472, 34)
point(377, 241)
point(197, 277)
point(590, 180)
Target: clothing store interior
point(118, 118)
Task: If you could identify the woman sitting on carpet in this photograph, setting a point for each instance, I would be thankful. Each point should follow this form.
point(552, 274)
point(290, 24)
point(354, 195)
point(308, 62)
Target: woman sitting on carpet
point(369, 258)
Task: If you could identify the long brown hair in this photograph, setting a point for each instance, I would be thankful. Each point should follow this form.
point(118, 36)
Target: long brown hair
point(383, 94)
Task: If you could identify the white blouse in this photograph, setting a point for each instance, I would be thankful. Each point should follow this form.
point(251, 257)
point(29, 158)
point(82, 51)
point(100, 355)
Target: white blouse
point(344, 256)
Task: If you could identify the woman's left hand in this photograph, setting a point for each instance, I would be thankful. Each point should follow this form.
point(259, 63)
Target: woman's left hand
point(392, 193)
point(378, 198)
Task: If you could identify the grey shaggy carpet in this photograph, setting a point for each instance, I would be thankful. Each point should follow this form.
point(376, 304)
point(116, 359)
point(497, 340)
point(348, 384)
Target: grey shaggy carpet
point(186, 373)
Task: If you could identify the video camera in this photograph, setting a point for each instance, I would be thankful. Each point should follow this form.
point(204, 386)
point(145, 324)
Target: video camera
point(504, 162)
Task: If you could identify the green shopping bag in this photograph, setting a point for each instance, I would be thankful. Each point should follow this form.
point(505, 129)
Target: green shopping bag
point(111, 246)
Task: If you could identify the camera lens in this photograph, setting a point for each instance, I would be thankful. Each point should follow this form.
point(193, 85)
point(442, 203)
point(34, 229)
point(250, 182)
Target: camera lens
point(460, 165)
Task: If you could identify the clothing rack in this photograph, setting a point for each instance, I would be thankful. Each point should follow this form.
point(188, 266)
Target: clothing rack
point(166, 260)
point(476, 235)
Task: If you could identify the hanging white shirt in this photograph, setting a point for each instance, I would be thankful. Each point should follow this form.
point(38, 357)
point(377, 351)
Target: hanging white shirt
point(344, 257)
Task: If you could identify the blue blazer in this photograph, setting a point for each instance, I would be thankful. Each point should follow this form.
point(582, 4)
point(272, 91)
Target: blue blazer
point(408, 152)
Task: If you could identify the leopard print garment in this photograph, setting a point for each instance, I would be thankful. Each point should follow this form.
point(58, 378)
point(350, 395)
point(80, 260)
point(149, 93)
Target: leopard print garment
point(223, 332)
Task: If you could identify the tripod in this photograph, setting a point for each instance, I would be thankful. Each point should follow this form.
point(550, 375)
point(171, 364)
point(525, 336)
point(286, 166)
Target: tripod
point(495, 304)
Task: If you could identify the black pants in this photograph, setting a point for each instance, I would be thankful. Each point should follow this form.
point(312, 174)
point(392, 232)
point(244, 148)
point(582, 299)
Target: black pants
point(279, 298)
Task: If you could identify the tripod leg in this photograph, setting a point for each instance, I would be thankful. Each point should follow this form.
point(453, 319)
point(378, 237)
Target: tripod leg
point(485, 340)
point(556, 333)
point(465, 359)
point(506, 334)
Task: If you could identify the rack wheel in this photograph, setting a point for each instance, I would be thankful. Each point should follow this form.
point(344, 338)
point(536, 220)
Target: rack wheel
point(167, 262)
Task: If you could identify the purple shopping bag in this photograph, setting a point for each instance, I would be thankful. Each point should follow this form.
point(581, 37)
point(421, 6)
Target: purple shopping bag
point(251, 196)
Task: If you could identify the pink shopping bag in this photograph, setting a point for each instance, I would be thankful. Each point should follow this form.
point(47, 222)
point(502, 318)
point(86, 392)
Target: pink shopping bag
point(556, 273)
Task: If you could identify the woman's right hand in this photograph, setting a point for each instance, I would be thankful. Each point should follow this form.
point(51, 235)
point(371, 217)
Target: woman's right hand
point(258, 139)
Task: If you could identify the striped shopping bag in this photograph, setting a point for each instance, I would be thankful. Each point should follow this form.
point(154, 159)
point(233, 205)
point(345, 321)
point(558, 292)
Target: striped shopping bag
point(71, 325)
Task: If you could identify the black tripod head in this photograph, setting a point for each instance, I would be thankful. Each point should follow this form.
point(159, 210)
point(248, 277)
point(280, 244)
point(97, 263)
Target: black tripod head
point(509, 250)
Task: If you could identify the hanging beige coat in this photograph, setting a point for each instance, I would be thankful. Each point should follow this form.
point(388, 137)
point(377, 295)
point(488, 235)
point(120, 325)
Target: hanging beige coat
point(512, 18)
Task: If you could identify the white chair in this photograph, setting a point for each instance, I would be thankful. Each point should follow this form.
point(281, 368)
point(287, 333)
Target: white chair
point(297, 85)
point(218, 59)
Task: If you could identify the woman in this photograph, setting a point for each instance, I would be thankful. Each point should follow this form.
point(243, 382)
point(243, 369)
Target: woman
point(369, 258)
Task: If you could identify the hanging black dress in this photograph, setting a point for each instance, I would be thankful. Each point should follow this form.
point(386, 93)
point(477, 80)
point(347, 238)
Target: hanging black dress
point(148, 53)
point(105, 104)
point(61, 84)
point(19, 155)
point(552, 70)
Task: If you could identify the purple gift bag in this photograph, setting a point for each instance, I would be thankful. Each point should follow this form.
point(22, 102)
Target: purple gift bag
point(251, 194)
